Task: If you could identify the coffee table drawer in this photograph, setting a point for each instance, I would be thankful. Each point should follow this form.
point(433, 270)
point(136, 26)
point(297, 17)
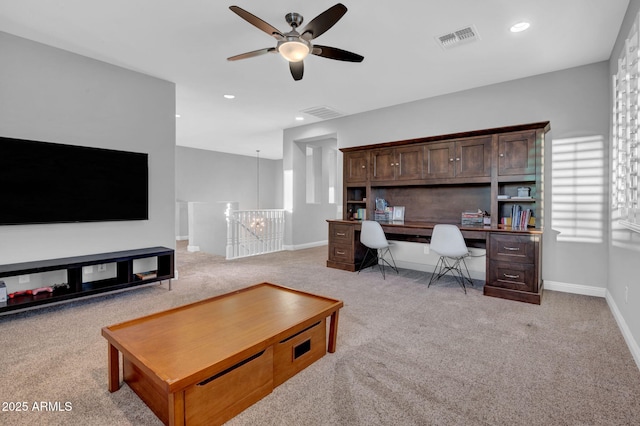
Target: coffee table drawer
point(298, 351)
point(226, 394)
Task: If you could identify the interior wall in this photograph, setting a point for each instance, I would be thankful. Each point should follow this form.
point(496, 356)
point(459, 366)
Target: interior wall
point(624, 269)
point(52, 95)
point(573, 100)
point(210, 176)
point(314, 214)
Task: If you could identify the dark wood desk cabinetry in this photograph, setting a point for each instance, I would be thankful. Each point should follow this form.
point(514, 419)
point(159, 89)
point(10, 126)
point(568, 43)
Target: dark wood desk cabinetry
point(514, 267)
point(517, 154)
point(463, 158)
point(356, 167)
point(437, 178)
point(396, 164)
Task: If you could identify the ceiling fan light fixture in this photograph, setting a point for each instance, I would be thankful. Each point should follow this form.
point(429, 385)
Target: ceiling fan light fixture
point(293, 50)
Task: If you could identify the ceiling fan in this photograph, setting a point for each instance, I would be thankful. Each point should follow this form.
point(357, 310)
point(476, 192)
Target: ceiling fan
point(294, 46)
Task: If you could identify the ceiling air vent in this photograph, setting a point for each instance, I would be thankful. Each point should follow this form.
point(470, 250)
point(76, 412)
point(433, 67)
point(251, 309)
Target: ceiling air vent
point(322, 112)
point(458, 37)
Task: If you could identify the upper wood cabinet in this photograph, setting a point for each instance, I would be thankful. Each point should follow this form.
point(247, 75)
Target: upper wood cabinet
point(462, 158)
point(403, 163)
point(356, 166)
point(517, 153)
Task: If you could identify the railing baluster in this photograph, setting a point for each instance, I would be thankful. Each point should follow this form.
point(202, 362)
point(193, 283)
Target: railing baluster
point(253, 232)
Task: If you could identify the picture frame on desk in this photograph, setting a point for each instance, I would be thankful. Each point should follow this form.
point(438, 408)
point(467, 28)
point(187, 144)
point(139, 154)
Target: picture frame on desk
point(398, 213)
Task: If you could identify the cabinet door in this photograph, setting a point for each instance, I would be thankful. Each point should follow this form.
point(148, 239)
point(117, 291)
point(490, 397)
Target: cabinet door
point(517, 153)
point(473, 157)
point(439, 160)
point(383, 164)
point(356, 167)
point(409, 163)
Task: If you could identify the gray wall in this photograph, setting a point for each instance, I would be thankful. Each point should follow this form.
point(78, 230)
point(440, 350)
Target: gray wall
point(624, 268)
point(52, 95)
point(573, 100)
point(210, 176)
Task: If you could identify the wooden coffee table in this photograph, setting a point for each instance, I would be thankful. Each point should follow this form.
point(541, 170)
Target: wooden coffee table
point(205, 362)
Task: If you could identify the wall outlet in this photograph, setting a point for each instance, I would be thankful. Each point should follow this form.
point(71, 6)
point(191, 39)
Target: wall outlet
point(426, 249)
point(102, 267)
point(22, 279)
point(626, 294)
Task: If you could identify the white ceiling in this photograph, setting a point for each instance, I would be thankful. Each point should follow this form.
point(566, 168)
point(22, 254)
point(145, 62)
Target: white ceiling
point(187, 42)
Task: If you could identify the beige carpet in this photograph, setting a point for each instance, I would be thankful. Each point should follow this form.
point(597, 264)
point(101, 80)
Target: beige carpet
point(407, 354)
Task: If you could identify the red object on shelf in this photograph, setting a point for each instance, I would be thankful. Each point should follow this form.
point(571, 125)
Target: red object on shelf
point(18, 293)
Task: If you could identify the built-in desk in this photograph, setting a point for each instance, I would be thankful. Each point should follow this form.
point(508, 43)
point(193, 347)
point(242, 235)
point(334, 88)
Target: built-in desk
point(514, 257)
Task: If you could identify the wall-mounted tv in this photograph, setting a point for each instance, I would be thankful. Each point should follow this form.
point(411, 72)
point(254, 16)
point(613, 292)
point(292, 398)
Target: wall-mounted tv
point(42, 182)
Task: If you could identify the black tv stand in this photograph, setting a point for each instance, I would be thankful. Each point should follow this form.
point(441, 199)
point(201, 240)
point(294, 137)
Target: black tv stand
point(74, 287)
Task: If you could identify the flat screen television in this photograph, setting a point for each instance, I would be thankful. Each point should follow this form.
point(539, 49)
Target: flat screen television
point(42, 182)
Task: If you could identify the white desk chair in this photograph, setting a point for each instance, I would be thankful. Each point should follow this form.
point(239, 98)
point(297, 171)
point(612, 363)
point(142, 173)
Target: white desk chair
point(372, 236)
point(448, 242)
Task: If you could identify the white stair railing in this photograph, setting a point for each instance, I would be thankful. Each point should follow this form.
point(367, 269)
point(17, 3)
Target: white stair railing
point(253, 232)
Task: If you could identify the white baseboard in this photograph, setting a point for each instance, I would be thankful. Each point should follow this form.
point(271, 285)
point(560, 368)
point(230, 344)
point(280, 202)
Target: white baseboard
point(191, 248)
point(575, 288)
point(305, 246)
point(624, 328)
point(182, 237)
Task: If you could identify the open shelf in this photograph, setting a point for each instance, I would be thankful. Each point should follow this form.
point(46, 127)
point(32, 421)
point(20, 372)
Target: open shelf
point(50, 272)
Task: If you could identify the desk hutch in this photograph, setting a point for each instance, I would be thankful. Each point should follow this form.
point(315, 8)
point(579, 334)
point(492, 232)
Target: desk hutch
point(437, 178)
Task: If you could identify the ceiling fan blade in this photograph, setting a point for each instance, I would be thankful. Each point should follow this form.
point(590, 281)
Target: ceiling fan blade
point(257, 22)
point(252, 54)
point(321, 23)
point(297, 69)
point(335, 53)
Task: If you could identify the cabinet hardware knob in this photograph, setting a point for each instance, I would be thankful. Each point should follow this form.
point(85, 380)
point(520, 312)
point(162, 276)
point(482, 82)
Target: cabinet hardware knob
point(450, 159)
point(501, 155)
point(363, 167)
point(512, 248)
point(341, 234)
point(340, 252)
point(513, 277)
point(457, 159)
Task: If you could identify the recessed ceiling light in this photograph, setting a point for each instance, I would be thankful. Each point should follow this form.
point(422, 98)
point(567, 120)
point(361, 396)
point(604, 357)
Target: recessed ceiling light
point(299, 118)
point(520, 26)
point(229, 96)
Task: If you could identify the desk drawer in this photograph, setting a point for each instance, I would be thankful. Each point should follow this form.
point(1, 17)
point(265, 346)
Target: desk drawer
point(226, 394)
point(341, 233)
point(298, 351)
point(512, 248)
point(341, 253)
point(515, 276)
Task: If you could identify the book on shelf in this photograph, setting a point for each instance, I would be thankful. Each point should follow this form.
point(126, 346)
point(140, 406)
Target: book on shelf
point(147, 275)
point(520, 218)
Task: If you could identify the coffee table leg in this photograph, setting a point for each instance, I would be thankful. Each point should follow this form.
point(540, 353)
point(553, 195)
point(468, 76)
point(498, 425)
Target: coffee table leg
point(114, 368)
point(333, 332)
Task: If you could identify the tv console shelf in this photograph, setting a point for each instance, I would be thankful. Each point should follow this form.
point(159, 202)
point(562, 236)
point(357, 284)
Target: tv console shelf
point(120, 275)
